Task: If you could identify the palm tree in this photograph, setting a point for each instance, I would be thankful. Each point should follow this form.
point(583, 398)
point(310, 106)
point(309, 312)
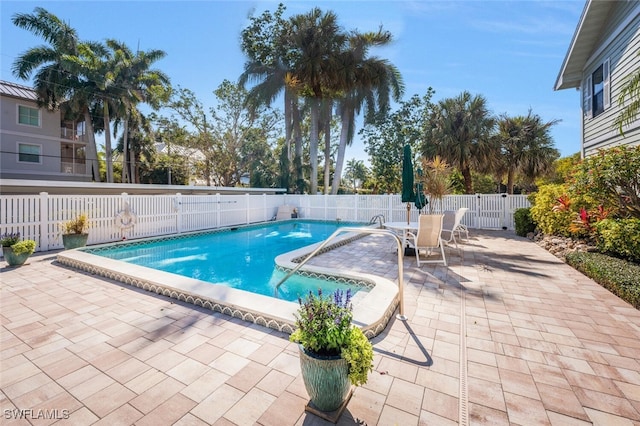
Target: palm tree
point(365, 80)
point(141, 143)
point(264, 42)
point(98, 67)
point(272, 81)
point(317, 41)
point(356, 172)
point(122, 80)
point(459, 132)
point(134, 83)
point(53, 80)
point(526, 146)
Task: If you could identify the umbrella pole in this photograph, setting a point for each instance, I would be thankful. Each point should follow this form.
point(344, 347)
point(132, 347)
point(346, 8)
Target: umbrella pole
point(408, 210)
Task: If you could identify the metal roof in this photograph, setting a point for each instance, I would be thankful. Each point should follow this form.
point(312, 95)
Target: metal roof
point(17, 91)
point(584, 42)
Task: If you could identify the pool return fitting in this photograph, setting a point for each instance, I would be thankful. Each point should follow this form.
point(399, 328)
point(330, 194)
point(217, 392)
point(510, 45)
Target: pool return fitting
point(401, 316)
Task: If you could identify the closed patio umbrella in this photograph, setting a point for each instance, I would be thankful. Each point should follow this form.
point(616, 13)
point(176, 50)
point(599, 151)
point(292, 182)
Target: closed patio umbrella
point(408, 195)
point(421, 200)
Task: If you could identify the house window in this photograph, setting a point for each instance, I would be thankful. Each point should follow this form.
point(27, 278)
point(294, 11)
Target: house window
point(597, 91)
point(72, 158)
point(28, 153)
point(28, 116)
point(597, 85)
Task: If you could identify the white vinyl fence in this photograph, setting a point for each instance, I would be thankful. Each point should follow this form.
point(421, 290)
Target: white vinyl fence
point(38, 217)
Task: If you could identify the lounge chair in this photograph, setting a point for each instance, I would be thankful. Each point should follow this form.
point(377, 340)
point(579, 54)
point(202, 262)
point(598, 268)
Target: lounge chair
point(286, 212)
point(461, 228)
point(428, 238)
point(448, 225)
point(451, 225)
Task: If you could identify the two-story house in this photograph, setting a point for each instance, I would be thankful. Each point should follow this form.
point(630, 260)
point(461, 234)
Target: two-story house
point(603, 52)
point(38, 144)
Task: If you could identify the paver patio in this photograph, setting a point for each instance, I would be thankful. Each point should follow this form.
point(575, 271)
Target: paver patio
point(507, 334)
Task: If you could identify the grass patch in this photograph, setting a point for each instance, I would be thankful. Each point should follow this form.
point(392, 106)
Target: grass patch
point(619, 276)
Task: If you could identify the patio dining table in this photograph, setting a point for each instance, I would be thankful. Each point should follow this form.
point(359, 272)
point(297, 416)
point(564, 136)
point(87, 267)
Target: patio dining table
point(402, 228)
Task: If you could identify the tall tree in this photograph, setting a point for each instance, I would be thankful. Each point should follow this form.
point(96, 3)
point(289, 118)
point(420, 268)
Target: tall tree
point(317, 41)
point(233, 136)
point(123, 80)
point(141, 140)
point(136, 82)
point(460, 131)
point(264, 42)
point(387, 134)
point(53, 81)
point(526, 146)
point(98, 66)
point(356, 173)
point(368, 81)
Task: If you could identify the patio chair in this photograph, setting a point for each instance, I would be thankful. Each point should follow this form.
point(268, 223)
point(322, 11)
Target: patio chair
point(428, 238)
point(448, 225)
point(461, 228)
point(451, 225)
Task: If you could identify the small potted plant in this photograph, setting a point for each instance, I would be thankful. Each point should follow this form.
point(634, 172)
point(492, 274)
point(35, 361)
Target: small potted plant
point(15, 250)
point(74, 232)
point(334, 353)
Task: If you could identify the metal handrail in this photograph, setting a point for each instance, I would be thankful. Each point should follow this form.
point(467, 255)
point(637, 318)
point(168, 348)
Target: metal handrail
point(400, 315)
point(380, 218)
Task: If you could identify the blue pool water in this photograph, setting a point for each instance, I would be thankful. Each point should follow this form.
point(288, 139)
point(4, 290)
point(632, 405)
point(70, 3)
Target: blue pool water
point(242, 258)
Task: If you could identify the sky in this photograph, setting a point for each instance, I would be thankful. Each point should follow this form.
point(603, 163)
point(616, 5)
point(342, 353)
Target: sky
point(510, 52)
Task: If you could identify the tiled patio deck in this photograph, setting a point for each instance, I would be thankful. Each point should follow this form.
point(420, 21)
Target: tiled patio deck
point(507, 334)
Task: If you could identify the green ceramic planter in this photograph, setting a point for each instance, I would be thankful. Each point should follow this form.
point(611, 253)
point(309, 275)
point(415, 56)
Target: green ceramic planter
point(71, 241)
point(326, 380)
point(13, 259)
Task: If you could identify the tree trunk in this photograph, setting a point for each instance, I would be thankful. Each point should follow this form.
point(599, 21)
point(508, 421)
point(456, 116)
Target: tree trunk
point(297, 135)
point(342, 147)
point(327, 150)
point(468, 182)
point(92, 149)
point(125, 151)
point(288, 121)
point(207, 171)
point(313, 144)
point(510, 179)
point(107, 143)
point(132, 165)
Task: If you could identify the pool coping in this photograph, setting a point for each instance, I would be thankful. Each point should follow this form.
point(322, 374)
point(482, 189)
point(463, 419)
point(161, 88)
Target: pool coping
point(372, 311)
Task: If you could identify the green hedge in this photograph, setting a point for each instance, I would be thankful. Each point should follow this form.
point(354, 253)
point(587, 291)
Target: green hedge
point(550, 221)
point(524, 222)
point(620, 237)
point(616, 275)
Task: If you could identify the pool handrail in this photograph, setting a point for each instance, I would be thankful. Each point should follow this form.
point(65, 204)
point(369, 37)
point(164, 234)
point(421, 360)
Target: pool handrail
point(400, 315)
point(380, 218)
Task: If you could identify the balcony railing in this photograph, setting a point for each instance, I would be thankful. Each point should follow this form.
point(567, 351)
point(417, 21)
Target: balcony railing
point(73, 168)
point(72, 135)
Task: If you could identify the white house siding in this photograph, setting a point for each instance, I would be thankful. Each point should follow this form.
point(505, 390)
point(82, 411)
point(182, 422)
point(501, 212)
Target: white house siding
point(620, 43)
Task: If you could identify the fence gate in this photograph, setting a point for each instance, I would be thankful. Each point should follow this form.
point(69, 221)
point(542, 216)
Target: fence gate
point(491, 211)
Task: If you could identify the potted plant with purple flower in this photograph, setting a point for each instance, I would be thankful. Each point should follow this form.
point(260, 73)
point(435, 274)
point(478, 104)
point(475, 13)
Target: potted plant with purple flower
point(334, 353)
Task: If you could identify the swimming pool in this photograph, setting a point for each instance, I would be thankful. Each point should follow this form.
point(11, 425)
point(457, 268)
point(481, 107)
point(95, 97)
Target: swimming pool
point(372, 308)
point(242, 258)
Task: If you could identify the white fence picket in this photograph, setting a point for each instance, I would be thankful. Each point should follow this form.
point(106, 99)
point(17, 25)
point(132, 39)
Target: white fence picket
point(38, 217)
